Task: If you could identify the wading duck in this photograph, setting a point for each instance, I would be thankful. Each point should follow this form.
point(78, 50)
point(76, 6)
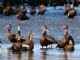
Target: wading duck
point(32, 10)
point(22, 16)
point(42, 9)
point(65, 41)
point(46, 39)
point(28, 44)
point(18, 45)
point(69, 47)
point(11, 36)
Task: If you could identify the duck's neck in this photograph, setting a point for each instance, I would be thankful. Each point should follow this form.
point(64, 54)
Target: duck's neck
point(9, 30)
point(30, 37)
point(19, 32)
point(44, 34)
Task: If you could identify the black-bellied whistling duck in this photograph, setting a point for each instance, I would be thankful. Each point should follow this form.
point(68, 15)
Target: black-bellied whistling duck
point(23, 10)
point(28, 44)
point(11, 36)
point(70, 11)
point(21, 16)
point(32, 10)
point(46, 39)
point(18, 45)
point(16, 10)
point(69, 47)
point(7, 11)
point(65, 41)
point(42, 9)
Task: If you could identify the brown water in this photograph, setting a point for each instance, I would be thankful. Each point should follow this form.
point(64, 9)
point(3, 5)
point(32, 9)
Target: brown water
point(40, 53)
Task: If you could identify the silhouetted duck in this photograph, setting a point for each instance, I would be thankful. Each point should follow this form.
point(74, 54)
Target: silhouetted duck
point(46, 39)
point(42, 9)
point(11, 36)
point(32, 10)
point(28, 44)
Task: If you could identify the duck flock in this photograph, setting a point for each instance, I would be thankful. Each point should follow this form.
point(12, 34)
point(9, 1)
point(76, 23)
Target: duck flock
point(20, 43)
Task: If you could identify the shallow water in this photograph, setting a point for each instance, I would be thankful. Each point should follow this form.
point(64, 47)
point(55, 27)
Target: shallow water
point(40, 54)
point(54, 19)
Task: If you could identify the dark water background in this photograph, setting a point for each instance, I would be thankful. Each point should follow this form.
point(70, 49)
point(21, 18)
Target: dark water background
point(54, 19)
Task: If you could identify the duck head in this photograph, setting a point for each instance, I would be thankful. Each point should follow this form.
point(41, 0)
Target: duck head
point(44, 29)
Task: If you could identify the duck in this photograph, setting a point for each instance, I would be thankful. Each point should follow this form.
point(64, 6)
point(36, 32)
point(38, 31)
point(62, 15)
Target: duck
point(28, 44)
point(10, 35)
point(16, 10)
point(65, 41)
point(22, 16)
point(71, 13)
point(42, 10)
point(46, 39)
point(69, 47)
point(20, 39)
point(7, 11)
point(23, 10)
point(32, 10)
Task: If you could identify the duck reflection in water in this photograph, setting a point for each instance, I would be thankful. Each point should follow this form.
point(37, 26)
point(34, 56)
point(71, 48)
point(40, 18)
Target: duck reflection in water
point(67, 56)
point(11, 55)
point(30, 55)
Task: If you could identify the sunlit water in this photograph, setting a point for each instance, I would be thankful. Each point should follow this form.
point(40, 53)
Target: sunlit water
point(40, 54)
point(54, 19)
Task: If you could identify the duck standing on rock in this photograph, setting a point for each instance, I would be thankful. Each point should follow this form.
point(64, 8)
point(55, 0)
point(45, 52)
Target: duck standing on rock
point(46, 39)
point(67, 41)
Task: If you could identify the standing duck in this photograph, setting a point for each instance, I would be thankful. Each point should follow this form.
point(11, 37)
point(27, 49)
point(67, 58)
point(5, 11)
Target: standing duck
point(42, 9)
point(18, 45)
point(28, 44)
point(46, 39)
point(69, 47)
point(32, 10)
point(11, 36)
point(65, 41)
